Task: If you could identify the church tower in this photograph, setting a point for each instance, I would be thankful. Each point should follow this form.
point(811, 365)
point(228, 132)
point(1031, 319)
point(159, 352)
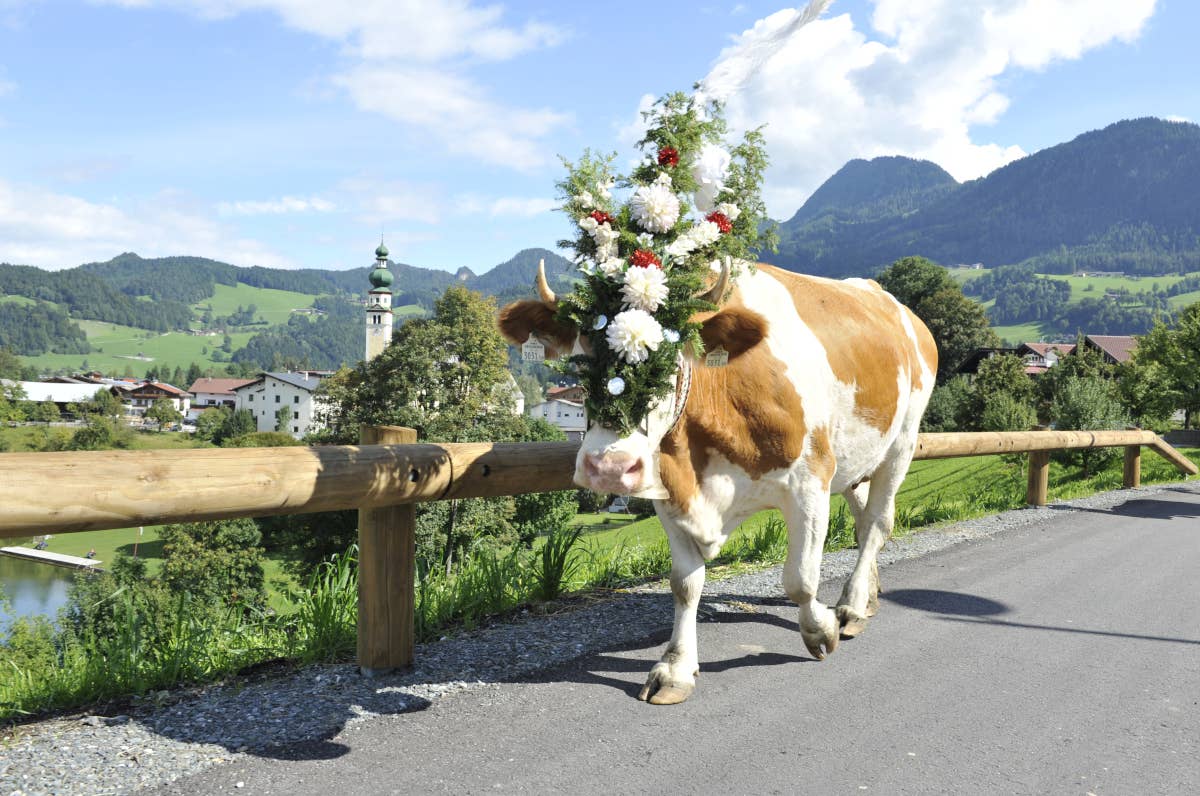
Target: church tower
point(379, 305)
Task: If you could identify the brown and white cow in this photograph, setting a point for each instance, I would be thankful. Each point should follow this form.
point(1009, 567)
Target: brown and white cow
point(823, 393)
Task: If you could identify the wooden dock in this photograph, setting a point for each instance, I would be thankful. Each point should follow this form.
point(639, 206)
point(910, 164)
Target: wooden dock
point(46, 557)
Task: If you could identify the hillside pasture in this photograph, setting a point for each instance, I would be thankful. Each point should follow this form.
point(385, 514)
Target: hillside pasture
point(117, 347)
point(273, 306)
point(1096, 286)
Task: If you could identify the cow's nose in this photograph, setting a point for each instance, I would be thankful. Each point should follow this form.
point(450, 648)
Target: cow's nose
point(613, 472)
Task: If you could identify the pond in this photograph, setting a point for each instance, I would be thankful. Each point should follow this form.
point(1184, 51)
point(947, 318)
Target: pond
point(31, 588)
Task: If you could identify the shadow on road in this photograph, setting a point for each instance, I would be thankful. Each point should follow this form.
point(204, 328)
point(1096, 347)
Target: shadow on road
point(945, 602)
point(1059, 629)
point(1146, 508)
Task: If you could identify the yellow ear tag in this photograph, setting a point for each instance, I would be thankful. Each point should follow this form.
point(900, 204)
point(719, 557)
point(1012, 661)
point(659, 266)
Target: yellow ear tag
point(532, 350)
point(717, 358)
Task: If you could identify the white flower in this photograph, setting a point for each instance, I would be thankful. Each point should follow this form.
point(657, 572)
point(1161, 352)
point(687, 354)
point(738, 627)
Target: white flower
point(605, 188)
point(585, 200)
point(709, 173)
point(663, 179)
point(612, 267)
point(655, 207)
point(606, 242)
point(633, 334)
point(681, 247)
point(729, 210)
point(616, 385)
point(645, 288)
point(670, 335)
point(645, 239)
point(588, 225)
point(705, 233)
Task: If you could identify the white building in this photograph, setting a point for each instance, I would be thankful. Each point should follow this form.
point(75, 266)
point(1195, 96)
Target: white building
point(213, 394)
point(270, 393)
point(567, 415)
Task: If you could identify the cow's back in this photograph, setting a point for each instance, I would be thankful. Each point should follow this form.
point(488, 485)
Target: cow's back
point(862, 363)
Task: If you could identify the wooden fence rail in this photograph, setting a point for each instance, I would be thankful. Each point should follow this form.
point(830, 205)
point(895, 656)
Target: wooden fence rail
point(95, 490)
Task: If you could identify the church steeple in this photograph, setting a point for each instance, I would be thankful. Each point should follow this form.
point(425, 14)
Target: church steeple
point(379, 304)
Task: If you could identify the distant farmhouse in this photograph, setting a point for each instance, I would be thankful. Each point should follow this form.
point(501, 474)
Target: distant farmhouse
point(1040, 357)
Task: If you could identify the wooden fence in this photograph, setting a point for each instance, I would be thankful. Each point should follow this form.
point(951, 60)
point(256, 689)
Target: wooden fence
point(382, 478)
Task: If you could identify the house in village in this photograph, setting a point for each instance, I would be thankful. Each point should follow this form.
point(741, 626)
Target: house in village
point(141, 396)
point(62, 394)
point(1040, 357)
point(213, 394)
point(271, 392)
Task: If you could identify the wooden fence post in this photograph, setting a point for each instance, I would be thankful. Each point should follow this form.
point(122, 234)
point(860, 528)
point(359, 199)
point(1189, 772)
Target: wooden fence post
point(386, 573)
point(1133, 466)
point(1039, 478)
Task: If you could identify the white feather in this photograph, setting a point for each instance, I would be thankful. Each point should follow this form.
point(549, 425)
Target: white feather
point(734, 70)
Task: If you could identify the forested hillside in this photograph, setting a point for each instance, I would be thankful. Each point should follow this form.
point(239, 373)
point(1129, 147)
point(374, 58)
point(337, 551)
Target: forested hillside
point(174, 294)
point(1118, 199)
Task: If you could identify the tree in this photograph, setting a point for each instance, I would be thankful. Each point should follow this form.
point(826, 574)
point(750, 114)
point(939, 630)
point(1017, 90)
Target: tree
point(998, 390)
point(235, 424)
point(948, 406)
point(959, 325)
point(164, 413)
point(1176, 349)
point(46, 412)
point(283, 418)
point(1087, 403)
point(210, 421)
point(216, 561)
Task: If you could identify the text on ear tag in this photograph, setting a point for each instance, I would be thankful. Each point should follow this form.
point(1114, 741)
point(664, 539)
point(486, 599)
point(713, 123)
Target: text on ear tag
point(532, 350)
point(717, 358)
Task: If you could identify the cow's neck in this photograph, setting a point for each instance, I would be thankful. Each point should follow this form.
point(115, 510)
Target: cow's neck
point(747, 412)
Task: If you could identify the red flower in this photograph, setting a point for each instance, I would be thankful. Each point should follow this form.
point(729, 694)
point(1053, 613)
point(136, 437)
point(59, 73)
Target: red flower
point(601, 217)
point(721, 220)
point(644, 259)
point(668, 156)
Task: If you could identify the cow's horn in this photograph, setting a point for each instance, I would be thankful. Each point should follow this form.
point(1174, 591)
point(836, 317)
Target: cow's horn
point(543, 287)
point(714, 294)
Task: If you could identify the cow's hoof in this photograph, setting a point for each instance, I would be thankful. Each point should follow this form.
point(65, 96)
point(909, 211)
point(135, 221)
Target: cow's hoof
point(852, 622)
point(821, 641)
point(662, 689)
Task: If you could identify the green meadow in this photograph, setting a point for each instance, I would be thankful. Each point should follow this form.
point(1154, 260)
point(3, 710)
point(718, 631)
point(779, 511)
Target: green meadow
point(273, 306)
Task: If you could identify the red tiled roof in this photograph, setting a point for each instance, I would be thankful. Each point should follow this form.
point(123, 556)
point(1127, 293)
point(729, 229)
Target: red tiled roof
point(1119, 347)
point(1042, 348)
point(217, 386)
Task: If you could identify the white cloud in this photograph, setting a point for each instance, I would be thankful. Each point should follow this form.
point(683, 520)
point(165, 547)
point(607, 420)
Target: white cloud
point(411, 61)
point(916, 85)
point(454, 113)
point(55, 230)
point(285, 204)
point(521, 207)
point(7, 87)
point(381, 202)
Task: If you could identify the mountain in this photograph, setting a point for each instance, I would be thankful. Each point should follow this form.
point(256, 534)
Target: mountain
point(1122, 198)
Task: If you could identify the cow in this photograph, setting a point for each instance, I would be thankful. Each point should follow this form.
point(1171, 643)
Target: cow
point(822, 393)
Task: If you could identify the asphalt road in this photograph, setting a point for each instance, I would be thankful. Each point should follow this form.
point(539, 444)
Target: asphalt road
point(1060, 658)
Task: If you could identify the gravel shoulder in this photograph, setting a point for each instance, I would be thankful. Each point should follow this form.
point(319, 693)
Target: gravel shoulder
point(189, 731)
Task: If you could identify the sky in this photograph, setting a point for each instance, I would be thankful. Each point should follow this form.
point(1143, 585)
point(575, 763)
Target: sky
point(297, 133)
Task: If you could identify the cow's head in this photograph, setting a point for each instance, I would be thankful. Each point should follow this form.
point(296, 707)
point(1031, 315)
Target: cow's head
point(628, 464)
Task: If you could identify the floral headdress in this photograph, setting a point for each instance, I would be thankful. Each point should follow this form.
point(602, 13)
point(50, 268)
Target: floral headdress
point(694, 209)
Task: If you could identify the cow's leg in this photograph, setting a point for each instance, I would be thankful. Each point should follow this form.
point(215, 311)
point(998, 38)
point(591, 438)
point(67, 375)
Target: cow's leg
point(673, 678)
point(808, 521)
point(860, 596)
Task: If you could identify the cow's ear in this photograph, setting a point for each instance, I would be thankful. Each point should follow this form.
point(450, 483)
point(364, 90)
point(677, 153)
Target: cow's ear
point(735, 329)
point(523, 318)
